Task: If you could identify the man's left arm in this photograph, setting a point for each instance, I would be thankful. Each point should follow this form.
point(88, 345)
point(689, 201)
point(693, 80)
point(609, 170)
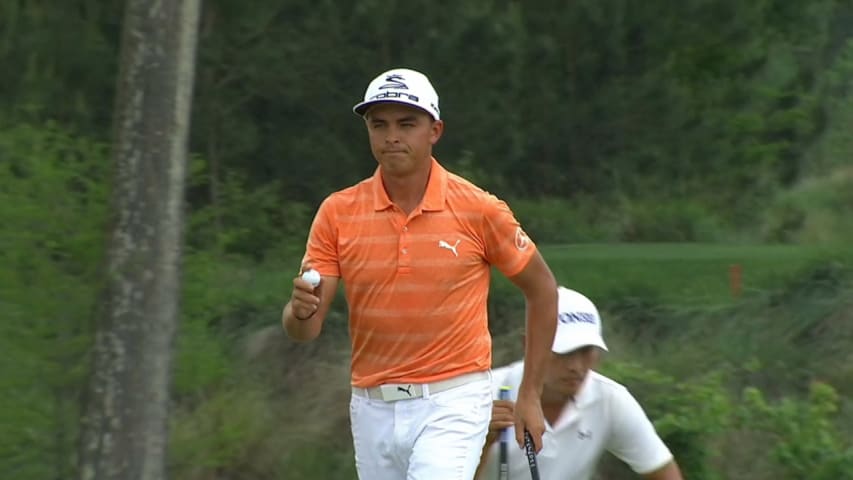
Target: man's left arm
point(539, 287)
point(509, 248)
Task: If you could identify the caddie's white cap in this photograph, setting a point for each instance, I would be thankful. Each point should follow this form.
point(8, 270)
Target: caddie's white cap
point(578, 323)
point(401, 85)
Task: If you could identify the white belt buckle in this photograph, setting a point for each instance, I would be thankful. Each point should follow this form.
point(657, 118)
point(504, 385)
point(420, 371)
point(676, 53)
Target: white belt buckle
point(399, 391)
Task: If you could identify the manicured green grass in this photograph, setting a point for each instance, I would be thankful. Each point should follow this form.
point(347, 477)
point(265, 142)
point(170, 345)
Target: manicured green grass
point(678, 274)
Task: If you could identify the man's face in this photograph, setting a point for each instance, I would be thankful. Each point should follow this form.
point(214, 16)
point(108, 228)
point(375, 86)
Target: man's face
point(401, 137)
point(566, 372)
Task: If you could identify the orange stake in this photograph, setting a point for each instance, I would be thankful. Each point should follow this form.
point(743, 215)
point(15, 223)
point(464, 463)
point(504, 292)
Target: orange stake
point(735, 279)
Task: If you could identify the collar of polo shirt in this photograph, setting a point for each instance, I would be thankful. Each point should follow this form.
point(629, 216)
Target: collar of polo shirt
point(434, 196)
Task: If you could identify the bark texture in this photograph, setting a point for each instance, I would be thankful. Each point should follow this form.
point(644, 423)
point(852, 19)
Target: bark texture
point(124, 429)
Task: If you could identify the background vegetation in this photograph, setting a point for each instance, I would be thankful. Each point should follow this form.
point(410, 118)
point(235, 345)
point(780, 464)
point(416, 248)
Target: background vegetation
point(647, 146)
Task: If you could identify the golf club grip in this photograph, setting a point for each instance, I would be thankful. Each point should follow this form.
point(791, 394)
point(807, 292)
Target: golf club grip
point(503, 452)
point(531, 456)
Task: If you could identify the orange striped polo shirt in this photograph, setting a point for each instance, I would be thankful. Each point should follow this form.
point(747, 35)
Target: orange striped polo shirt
point(417, 285)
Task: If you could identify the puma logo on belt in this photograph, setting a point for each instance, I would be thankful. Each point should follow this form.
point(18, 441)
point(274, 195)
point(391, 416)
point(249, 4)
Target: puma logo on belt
point(452, 248)
point(407, 390)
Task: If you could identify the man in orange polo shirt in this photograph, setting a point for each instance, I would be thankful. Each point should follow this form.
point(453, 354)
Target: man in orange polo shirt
point(414, 245)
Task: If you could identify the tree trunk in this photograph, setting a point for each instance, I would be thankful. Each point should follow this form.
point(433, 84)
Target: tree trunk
point(124, 427)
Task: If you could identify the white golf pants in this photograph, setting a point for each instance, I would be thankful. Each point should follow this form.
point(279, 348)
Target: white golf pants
point(438, 436)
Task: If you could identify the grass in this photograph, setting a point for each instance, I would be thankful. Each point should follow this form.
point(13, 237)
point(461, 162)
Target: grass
point(679, 274)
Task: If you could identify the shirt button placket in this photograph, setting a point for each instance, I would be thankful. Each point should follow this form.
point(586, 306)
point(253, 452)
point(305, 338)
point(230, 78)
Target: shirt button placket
point(403, 257)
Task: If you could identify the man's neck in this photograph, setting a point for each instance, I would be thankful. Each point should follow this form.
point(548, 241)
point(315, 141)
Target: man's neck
point(407, 192)
point(555, 399)
point(553, 405)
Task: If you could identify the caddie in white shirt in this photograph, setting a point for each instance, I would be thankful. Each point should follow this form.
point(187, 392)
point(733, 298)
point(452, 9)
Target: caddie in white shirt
point(586, 413)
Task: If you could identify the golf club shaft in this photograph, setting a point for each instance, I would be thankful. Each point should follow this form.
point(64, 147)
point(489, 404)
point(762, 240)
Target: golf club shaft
point(503, 452)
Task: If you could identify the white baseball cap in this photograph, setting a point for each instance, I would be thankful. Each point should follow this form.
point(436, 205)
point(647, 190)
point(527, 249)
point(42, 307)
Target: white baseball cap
point(401, 85)
point(578, 323)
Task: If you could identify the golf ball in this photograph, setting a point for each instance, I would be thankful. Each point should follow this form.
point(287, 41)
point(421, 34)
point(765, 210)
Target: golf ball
point(312, 277)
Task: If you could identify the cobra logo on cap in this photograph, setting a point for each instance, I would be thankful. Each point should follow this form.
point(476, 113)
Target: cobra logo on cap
point(394, 81)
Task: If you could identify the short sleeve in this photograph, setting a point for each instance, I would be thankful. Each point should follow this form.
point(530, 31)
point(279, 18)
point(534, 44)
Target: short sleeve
point(633, 438)
point(321, 250)
point(507, 245)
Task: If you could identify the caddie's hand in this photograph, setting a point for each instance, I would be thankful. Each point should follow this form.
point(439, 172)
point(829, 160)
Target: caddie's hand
point(503, 415)
point(303, 302)
point(528, 416)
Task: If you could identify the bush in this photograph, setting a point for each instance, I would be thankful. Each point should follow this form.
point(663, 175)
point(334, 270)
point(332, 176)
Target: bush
point(816, 211)
point(559, 220)
point(244, 221)
point(805, 442)
point(227, 434)
point(689, 416)
point(53, 198)
point(668, 220)
point(586, 220)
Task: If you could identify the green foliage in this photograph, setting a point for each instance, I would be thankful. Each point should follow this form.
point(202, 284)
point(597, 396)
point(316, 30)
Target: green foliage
point(816, 211)
point(805, 440)
point(688, 416)
point(53, 210)
point(59, 61)
point(217, 437)
point(318, 460)
point(799, 438)
point(723, 103)
point(224, 299)
point(245, 221)
point(663, 220)
point(588, 219)
point(769, 337)
point(202, 362)
point(555, 220)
